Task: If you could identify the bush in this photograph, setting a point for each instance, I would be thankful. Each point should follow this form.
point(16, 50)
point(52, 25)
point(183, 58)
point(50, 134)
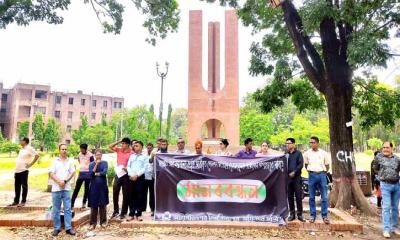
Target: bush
point(111, 171)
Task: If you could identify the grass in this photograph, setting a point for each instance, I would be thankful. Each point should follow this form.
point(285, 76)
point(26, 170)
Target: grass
point(7, 162)
point(37, 182)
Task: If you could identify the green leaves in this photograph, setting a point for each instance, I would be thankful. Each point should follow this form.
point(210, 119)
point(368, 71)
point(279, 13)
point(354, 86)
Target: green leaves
point(23, 129)
point(305, 96)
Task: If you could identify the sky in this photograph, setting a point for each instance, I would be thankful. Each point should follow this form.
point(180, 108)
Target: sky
point(77, 55)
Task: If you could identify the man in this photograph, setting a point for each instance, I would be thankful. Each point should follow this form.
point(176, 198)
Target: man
point(163, 146)
point(295, 164)
point(149, 180)
point(123, 154)
point(136, 167)
point(387, 166)
point(180, 143)
point(316, 162)
point(84, 159)
point(61, 172)
point(248, 151)
point(27, 156)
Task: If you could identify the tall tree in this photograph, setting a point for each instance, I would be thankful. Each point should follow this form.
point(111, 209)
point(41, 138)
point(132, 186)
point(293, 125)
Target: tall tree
point(23, 129)
point(77, 134)
point(169, 122)
point(51, 134)
point(331, 39)
point(38, 129)
point(98, 136)
point(179, 123)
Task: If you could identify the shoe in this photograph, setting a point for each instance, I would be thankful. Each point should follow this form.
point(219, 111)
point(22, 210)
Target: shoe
point(396, 231)
point(55, 233)
point(91, 227)
point(291, 218)
point(70, 232)
point(386, 234)
point(22, 204)
point(301, 218)
point(121, 217)
point(140, 219)
point(326, 220)
point(12, 204)
point(129, 219)
point(114, 215)
point(312, 219)
point(152, 214)
point(103, 225)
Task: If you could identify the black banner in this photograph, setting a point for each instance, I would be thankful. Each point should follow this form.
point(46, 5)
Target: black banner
point(207, 188)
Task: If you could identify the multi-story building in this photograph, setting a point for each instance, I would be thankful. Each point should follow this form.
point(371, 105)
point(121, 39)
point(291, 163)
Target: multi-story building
point(21, 102)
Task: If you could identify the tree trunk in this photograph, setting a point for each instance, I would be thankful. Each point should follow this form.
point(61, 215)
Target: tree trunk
point(346, 191)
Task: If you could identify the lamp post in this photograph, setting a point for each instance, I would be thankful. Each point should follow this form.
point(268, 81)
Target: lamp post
point(162, 75)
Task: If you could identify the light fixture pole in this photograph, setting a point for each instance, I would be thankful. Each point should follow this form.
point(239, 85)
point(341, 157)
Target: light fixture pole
point(162, 75)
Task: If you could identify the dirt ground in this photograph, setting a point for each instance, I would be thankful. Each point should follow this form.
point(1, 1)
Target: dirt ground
point(372, 229)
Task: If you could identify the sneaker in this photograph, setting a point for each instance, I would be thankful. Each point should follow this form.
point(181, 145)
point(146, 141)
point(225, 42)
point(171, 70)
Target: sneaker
point(301, 218)
point(114, 215)
point(291, 217)
point(396, 231)
point(12, 204)
point(312, 219)
point(326, 220)
point(91, 227)
point(386, 234)
point(70, 232)
point(55, 233)
point(22, 204)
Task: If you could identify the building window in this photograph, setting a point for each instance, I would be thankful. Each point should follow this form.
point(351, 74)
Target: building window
point(69, 128)
point(39, 109)
point(3, 110)
point(120, 105)
point(93, 116)
point(82, 114)
point(58, 99)
point(83, 102)
point(115, 104)
point(40, 94)
point(4, 97)
point(94, 103)
point(71, 101)
point(57, 114)
point(105, 103)
point(70, 115)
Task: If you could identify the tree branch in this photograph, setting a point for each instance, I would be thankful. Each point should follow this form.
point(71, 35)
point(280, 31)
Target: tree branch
point(305, 49)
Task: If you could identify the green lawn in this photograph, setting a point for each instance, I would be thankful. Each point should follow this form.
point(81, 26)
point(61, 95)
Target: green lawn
point(37, 182)
point(7, 162)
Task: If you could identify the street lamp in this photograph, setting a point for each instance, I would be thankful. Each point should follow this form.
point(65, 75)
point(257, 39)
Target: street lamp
point(162, 75)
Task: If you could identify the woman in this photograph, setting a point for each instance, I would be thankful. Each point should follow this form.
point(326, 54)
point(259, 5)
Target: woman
point(223, 145)
point(98, 190)
point(265, 149)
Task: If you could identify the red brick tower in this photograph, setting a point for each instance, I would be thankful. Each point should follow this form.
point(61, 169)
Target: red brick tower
point(214, 109)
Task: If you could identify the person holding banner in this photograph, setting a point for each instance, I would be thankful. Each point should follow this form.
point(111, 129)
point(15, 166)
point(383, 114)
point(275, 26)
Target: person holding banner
point(295, 164)
point(136, 167)
point(223, 145)
point(248, 151)
point(198, 147)
point(121, 178)
point(180, 143)
point(316, 162)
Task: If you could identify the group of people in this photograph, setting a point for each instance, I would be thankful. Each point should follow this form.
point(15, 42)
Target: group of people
point(135, 178)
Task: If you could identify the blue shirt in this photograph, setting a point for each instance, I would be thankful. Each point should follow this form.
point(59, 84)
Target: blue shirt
point(244, 154)
point(137, 164)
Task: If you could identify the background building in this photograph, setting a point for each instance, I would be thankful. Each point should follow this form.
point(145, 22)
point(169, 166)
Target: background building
point(21, 102)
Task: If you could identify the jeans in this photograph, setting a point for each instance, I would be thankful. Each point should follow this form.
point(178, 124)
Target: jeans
point(295, 190)
point(390, 206)
point(21, 180)
point(64, 197)
point(76, 191)
point(315, 180)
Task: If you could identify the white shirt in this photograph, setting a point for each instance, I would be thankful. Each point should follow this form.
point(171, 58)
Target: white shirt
point(316, 160)
point(25, 156)
point(183, 151)
point(62, 169)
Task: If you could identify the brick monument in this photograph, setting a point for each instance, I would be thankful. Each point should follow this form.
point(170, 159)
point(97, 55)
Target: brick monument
point(215, 110)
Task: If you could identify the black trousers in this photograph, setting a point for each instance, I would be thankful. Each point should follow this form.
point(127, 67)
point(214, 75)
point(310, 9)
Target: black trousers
point(119, 183)
point(93, 215)
point(149, 188)
point(78, 185)
point(295, 190)
point(136, 197)
point(21, 180)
